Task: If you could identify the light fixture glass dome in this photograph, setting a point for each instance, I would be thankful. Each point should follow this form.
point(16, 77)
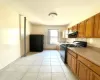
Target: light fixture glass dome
point(52, 14)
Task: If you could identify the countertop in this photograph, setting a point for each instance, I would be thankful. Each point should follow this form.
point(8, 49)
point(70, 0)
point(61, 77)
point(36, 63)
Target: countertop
point(88, 53)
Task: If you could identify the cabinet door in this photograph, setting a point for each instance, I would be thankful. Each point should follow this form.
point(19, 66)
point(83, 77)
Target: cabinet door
point(83, 71)
point(96, 26)
point(94, 76)
point(81, 30)
point(89, 27)
point(99, 26)
point(73, 66)
point(69, 59)
point(74, 28)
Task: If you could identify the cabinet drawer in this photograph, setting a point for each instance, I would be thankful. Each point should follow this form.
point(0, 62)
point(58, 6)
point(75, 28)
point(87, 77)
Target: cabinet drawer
point(72, 53)
point(89, 64)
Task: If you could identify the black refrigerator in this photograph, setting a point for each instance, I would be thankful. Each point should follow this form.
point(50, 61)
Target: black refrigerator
point(36, 43)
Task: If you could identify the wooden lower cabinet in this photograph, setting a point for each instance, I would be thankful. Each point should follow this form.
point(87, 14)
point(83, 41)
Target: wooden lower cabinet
point(72, 62)
point(83, 68)
point(69, 59)
point(82, 71)
point(73, 65)
point(94, 76)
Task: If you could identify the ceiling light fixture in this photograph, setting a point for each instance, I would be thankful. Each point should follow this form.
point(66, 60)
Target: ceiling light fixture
point(52, 14)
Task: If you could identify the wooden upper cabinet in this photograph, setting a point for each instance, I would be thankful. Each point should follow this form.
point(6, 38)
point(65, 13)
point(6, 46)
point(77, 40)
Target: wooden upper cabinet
point(74, 28)
point(89, 27)
point(99, 26)
point(96, 26)
point(94, 76)
point(81, 30)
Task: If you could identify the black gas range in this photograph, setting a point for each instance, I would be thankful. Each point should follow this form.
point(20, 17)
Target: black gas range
point(63, 48)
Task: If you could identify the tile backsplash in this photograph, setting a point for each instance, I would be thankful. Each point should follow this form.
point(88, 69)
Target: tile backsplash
point(76, 39)
point(95, 42)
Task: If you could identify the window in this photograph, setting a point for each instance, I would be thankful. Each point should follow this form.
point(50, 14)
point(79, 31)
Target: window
point(53, 36)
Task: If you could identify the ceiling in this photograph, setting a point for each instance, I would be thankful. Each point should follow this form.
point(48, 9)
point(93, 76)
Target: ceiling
point(68, 10)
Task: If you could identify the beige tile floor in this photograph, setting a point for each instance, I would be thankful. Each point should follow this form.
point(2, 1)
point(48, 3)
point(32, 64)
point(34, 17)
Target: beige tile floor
point(46, 65)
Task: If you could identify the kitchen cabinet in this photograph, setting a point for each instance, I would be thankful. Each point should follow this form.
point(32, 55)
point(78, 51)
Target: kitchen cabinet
point(71, 62)
point(96, 25)
point(69, 59)
point(86, 70)
point(81, 30)
point(94, 76)
point(99, 28)
point(89, 27)
point(74, 28)
point(82, 67)
point(90, 65)
point(82, 71)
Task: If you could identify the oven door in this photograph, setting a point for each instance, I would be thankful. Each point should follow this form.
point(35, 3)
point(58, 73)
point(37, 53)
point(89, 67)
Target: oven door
point(62, 53)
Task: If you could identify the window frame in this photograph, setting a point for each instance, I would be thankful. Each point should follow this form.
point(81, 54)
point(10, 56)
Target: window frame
point(50, 36)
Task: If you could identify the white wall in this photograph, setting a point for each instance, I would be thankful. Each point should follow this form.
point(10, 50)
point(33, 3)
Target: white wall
point(28, 26)
point(21, 25)
point(44, 30)
point(9, 36)
point(12, 35)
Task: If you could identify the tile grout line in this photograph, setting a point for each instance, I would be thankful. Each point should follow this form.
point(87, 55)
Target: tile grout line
point(51, 66)
point(64, 73)
point(39, 70)
point(27, 72)
point(62, 69)
point(40, 65)
point(24, 74)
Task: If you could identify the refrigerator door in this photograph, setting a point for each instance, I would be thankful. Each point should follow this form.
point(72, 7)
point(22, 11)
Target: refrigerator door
point(36, 43)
